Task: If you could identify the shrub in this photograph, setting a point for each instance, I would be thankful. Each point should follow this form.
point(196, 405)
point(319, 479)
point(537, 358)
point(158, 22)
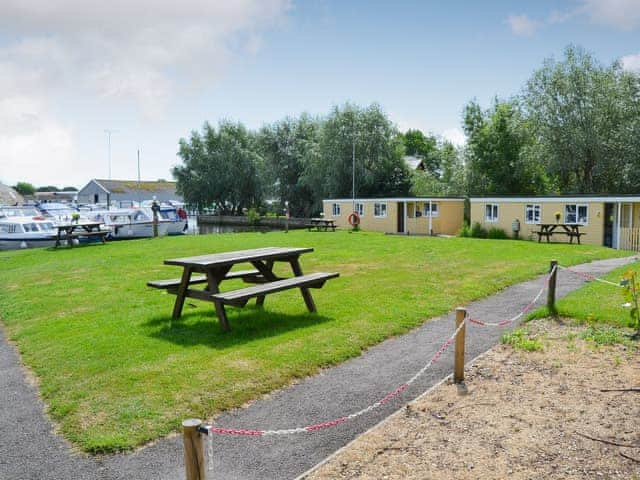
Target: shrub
point(478, 231)
point(520, 340)
point(497, 233)
point(253, 216)
point(465, 231)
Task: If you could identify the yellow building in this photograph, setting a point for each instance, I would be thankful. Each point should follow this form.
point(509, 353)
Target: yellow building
point(609, 220)
point(411, 216)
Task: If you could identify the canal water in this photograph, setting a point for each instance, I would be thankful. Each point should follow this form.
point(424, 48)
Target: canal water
point(205, 228)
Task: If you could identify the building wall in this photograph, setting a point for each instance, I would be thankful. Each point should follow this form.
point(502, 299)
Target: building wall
point(509, 211)
point(86, 194)
point(449, 220)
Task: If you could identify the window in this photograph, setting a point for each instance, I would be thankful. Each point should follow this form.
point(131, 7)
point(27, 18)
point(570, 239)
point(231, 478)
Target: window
point(491, 212)
point(379, 209)
point(336, 209)
point(532, 214)
point(433, 212)
point(576, 214)
point(360, 209)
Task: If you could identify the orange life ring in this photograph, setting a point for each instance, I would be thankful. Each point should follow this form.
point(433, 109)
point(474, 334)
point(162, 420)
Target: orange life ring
point(354, 219)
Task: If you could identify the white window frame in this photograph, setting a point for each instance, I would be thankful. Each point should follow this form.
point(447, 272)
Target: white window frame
point(336, 211)
point(360, 209)
point(577, 207)
point(494, 215)
point(435, 210)
point(536, 210)
point(378, 210)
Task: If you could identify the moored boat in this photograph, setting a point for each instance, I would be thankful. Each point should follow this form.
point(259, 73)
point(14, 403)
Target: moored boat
point(25, 227)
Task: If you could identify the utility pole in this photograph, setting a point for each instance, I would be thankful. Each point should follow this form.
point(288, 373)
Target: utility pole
point(353, 173)
point(109, 132)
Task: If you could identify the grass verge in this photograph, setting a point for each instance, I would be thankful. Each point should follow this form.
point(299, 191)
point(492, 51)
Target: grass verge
point(115, 374)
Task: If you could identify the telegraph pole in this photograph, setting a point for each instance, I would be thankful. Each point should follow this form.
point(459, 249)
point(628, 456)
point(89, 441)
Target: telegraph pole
point(109, 132)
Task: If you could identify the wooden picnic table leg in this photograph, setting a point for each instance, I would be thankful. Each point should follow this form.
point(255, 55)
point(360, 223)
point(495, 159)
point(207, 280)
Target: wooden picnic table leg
point(268, 266)
point(181, 293)
point(214, 277)
point(306, 294)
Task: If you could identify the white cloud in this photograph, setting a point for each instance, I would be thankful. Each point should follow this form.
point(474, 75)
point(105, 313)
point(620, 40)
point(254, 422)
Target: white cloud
point(631, 62)
point(139, 51)
point(522, 25)
point(621, 14)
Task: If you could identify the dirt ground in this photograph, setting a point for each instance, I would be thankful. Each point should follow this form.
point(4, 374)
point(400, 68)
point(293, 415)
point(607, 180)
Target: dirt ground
point(527, 415)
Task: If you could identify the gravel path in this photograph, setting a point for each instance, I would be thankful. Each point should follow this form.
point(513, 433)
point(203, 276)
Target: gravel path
point(30, 450)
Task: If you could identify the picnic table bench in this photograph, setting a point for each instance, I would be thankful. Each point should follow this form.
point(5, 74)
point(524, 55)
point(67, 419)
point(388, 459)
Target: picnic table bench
point(549, 229)
point(217, 268)
point(321, 224)
point(71, 231)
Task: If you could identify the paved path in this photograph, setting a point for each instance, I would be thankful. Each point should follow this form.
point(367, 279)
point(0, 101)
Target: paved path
point(29, 449)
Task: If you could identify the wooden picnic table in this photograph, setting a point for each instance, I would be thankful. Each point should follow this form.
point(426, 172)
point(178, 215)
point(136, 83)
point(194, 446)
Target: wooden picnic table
point(70, 231)
point(322, 224)
point(217, 268)
point(572, 230)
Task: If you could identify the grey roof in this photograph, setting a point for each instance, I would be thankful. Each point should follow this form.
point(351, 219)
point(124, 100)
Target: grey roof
point(133, 187)
point(414, 163)
point(8, 196)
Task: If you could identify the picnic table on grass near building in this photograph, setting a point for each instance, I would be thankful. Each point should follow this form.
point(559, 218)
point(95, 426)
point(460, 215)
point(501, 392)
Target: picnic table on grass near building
point(322, 224)
point(549, 229)
point(216, 268)
point(72, 231)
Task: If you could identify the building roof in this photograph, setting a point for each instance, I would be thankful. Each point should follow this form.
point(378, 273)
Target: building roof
point(574, 197)
point(414, 163)
point(8, 196)
point(133, 187)
point(395, 199)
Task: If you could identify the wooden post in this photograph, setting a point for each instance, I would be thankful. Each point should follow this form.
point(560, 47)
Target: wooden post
point(193, 449)
point(551, 293)
point(458, 368)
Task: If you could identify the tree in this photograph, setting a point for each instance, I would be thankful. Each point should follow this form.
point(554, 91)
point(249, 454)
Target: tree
point(448, 180)
point(69, 189)
point(24, 188)
point(498, 151)
point(379, 167)
point(288, 148)
point(219, 168)
point(425, 147)
point(586, 119)
point(48, 188)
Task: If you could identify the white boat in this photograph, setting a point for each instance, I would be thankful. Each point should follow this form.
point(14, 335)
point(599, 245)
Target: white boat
point(25, 227)
point(59, 213)
point(175, 217)
point(128, 223)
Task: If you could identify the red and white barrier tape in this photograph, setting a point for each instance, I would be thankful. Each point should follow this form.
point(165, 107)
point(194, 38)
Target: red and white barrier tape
point(588, 276)
point(321, 426)
point(526, 309)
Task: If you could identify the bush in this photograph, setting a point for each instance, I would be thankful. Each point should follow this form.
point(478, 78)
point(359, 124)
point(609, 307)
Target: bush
point(253, 216)
point(497, 233)
point(465, 231)
point(478, 231)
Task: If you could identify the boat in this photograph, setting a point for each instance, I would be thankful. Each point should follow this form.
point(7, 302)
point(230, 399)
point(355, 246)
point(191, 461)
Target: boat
point(59, 213)
point(128, 223)
point(25, 227)
point(175, 217)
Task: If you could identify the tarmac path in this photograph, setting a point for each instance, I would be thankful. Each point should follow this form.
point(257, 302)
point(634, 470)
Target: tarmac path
point(29, 449)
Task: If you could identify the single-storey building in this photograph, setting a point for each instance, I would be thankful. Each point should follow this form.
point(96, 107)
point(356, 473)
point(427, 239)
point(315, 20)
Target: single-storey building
point(416, 216)
point(608, 220)
point(121, 191)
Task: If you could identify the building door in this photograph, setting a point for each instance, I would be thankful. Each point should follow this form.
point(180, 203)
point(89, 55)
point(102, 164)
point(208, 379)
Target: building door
point(609, 223)
point(400, 206)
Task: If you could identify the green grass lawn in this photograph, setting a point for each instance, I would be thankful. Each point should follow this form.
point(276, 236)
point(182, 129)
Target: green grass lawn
point(115, 375)
point(597, 302)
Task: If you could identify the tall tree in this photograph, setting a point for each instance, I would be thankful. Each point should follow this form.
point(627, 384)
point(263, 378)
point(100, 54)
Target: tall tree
point(585, 117)
point(425, 147)
point(498, 151)
point(379, 168)
point(219, 168)
point(24, 188)
point(288, 148)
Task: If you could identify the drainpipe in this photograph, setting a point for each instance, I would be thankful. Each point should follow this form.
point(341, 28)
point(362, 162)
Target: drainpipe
point(430, 217)
point(618, 225)
point(404, 208)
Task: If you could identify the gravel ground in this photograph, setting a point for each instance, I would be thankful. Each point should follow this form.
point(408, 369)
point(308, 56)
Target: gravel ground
point(30, 449)
point(550, 403)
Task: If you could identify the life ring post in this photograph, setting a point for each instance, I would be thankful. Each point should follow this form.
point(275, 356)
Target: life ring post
point(354, 220)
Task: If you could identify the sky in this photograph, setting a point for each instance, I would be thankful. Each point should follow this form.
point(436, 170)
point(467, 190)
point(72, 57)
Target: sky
point(152, 71)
